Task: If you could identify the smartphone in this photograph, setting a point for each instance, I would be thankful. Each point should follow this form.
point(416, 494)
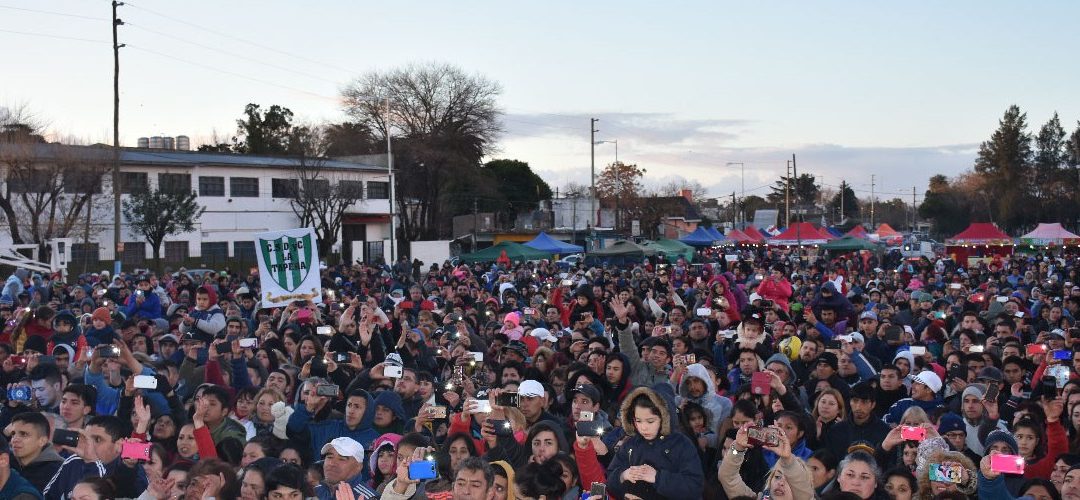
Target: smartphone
point(598, 490)
point(947, 473)
point(991, 392)
point(529, 311)
point(507, 399)
point(586, 416)
point(223, 348)
point(502, 427)
point(324, 330)
point(482, 406)
point(758, 436)
point(1003, 299)
point(958, 371)
point(342, 357)
point(1062, 354)
point(955, 343)
point(977, 349)
point(728, 334)
point(1007, 464)
point(759, 383)
point(477, 356)
point(691, 359)
point(845, 338)
point(704, 312)
point(955, 286)
point(108, 351)
point(1061, 374)
point(592, 428)
point(20, 393)
point(917, 350)
point(249, 343)
point(909, 433)
point(423, 470)
point(833, 345)
point(18, 361)
point(436, 412)
point(392, 371)
point(1033, 349)
point(135, 451)
point(327, 390)
point(567, 283)
point(145, 382)
point(64, 437)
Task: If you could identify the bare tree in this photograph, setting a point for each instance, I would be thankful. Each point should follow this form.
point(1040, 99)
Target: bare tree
point(675, 187)
point(321, 199)
point(46, 186)
point(575, 190)
point(443, 121)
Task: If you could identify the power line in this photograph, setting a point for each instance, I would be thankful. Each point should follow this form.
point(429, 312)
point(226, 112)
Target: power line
point(232, 73)
point(232, 37)
point(54, 13)
point(231, 54)
point(58, 37)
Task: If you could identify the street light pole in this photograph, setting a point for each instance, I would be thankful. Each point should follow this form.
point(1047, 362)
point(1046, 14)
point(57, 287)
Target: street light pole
point(742, 188)
point(116, 22)
point(617, 186)
point(390, 171)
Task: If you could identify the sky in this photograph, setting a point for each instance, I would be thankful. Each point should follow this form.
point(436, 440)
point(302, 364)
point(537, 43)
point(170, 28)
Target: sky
point(862, 92)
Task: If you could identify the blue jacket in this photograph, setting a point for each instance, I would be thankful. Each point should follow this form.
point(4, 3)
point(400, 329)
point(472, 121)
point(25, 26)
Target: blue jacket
point(672, 454)
point(18, 488)
point(149, 309)
point(896, 412)
point(74, 469)
point(359, 489)
point(325, 431)
point(108, 397)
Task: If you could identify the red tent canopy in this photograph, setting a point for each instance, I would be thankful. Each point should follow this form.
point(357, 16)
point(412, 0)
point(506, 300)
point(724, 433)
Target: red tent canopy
point(885, 231)
point(980, 233)
point(799, 233)
point(737, 236)
point(858, 232)
point(754, 234)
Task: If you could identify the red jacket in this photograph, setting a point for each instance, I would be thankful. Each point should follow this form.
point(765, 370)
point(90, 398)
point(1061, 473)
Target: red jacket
point(1056, 444)
point(776, 291)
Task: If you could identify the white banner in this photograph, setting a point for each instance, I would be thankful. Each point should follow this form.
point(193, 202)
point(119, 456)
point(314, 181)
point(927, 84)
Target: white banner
point(288, 266)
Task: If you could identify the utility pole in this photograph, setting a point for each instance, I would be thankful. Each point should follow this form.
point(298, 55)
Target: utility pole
point(843, 189)
point(787, 197)
point(116, 22)
point(914, 213)
point(872, 179)
point(390, 172)
point(475, 222)
point(734, 211)
point(592, 170)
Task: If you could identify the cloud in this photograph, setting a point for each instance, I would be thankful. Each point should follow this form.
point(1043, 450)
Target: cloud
point(645, 128)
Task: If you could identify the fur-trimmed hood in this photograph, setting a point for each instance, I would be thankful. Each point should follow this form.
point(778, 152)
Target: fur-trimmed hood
point(658, 400)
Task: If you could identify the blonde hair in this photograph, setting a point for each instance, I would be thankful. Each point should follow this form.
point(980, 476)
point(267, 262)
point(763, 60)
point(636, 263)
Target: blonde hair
point(914, 416)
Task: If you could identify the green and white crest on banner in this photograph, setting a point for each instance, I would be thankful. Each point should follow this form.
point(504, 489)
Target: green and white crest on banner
point(288, 260)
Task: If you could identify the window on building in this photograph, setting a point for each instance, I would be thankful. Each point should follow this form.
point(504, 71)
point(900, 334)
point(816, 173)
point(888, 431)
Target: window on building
point(244, 252)
point(214, 253)
point(84, 252)
point(351, 189)
point(373, 252)
point(174, 183)
point(284, 188)
point(82, 182)
point(134, 253)
point(133, 182)
point(316, 187)
point(176, 252)
point(28, 181)
point(378, 190)
point(244, 187)
point(211, 186)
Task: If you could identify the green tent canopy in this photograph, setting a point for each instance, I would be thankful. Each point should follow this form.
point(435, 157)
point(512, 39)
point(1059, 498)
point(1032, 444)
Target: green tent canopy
point(848, 244)
point(516, 252)
point(672, 250)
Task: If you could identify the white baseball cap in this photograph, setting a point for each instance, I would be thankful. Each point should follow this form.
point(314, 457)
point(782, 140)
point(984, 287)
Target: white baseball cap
point(929, 379)
point(346, 447)
point(530, 389)
point(543, 334)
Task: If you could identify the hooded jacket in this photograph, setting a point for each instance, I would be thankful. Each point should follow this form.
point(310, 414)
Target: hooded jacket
point(718, 407)
point(672, 454)
point(510, 493)
point(325, 431)
point(18, 488)
point(384, 441)
point(149, 309)
point(517, 454)
point(41, 469)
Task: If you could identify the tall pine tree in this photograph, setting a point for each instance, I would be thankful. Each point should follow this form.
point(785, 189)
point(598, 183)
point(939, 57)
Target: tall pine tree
point(1048, 171)
point(1005, 162)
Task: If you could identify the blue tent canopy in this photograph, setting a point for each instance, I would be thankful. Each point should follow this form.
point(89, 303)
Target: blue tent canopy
point(699, 238)
point(715, 233)
point(548, 244)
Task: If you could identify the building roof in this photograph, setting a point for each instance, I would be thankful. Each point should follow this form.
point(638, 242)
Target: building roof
point(166, 157)
point(678, 208)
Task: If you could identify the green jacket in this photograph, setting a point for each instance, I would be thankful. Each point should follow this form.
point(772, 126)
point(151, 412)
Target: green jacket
point(229, 428)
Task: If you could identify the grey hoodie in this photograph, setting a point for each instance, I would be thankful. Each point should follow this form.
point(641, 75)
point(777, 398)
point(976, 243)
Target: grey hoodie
point(718, 406)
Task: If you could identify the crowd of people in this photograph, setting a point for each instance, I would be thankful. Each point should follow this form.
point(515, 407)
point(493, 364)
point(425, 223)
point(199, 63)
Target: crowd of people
point(757, 373)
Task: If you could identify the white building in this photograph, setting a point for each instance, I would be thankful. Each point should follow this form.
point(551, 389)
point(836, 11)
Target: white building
point(243, 195)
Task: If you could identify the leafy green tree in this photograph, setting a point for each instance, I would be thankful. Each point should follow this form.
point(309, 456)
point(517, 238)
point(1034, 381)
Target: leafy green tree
point(1005, 163)
point(850, 201)
point(263, 132)
point(804, 193)
point(352, 138)
point(518, 188)
point(945, 206)
point(1072, 149)
point(157, 214)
